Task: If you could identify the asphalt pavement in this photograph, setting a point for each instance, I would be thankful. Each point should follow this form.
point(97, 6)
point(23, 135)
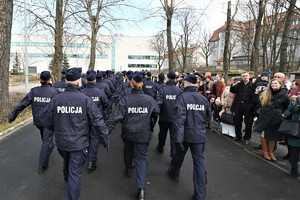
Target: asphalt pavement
point(234, 171)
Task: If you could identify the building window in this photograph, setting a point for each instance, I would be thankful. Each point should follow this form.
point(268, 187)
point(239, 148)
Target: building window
point(153, 66)
point(143, 57)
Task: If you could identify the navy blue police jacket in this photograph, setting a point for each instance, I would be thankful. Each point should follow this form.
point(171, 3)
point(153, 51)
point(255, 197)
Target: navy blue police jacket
point(191, 112)
point(124, 93)
point(60, 85)
point(148, 87)
point(166, 100)
point(70, 115)
point(136, 112)
point(105, 87)
point(97, 95)
point(38, 98)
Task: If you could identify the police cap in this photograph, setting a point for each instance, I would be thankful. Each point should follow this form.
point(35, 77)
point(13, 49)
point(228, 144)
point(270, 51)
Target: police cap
point(171, 75)
point(45, 75)
point(73, 74)
point(137, 78)
point(91, 75)
point(191, 78)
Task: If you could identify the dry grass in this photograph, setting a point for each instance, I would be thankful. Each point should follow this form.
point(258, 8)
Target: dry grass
point(15, 99)
point(21, 78)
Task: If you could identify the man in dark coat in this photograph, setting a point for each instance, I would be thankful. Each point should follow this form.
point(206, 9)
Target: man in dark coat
point(70, 115)
point(191, 111)
point(242, 106)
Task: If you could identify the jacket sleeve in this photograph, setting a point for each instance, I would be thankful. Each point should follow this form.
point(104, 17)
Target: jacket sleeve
point(118, 114)
point(234, 89)
point(180, 116)
point(47, 115)
point(95, 117)
point(26, 101)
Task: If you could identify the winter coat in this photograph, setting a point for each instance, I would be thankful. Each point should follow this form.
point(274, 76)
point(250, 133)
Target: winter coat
point(279, 103)
point(192, 110)
point(295, 110)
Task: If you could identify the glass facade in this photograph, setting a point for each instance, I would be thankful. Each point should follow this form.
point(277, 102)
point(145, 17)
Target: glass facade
point(48, 44)
point(142, 66)
point(143, 57)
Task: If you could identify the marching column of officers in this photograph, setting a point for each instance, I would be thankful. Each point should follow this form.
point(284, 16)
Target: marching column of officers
point(76, 110)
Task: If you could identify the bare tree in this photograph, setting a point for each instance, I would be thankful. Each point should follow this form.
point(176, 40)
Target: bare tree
point(285, 36)
point(204, 45)
point(189, 21)
point(47, 17)
point(169, 8)
point(257, 37)
point(6, 15)
point(158, 44)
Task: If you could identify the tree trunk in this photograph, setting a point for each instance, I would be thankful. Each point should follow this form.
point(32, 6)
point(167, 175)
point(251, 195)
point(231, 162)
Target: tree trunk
point(255, 50)
point(227, 41)
point(58, 47)
point(93, 48)
point(6, 14)
point(170, 46)
point(285, 38)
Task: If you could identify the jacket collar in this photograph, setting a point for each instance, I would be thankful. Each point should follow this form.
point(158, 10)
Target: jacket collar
point(190, 89)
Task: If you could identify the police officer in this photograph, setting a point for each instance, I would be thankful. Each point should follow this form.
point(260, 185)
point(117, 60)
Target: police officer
point(148, 85)
point(100, 99)
point(160, 83)
point(70, 115)
point(166, 99)
point(39, 97)
point(136, 112)
point(191, 111)
point(61, 85)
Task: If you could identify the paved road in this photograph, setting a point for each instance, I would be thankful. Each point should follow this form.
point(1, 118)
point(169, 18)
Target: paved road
point(235, 171)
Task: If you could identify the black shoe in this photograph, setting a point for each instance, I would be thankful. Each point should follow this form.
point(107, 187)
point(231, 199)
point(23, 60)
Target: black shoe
point(128, 172)
point(92, 165)
point(42, 169)
point(140, 194)
point(172, 175)
point(159, 149)
point(294, 172)
point(237, 139)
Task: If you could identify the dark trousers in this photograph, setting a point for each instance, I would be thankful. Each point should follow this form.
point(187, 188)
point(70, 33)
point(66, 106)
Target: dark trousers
point(294, 156)
point(94, 144)
point(73, 165)
point(138, 151)
point(47, 146)
point(246, 111)
point(164, 127)
point(199, 171)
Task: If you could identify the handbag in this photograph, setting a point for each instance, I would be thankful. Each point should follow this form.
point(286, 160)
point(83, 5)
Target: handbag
point(289, 128)
point(227, 118)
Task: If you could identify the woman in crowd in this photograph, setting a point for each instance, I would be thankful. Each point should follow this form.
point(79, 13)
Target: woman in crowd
point(227, 99)
point(219, 86)
point(294, 143)
point(276, 98)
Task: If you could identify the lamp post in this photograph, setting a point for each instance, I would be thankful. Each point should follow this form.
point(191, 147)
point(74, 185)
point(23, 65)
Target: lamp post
point(25, 43)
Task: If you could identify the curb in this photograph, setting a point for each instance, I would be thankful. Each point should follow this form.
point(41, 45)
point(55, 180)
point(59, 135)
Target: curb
point(15, 128)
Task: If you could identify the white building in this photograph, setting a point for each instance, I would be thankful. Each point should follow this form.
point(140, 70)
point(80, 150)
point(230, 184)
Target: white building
point(115, 53)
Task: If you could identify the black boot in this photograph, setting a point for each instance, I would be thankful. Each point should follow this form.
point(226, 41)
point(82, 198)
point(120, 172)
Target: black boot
point(141, 194)
point(92, 165)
